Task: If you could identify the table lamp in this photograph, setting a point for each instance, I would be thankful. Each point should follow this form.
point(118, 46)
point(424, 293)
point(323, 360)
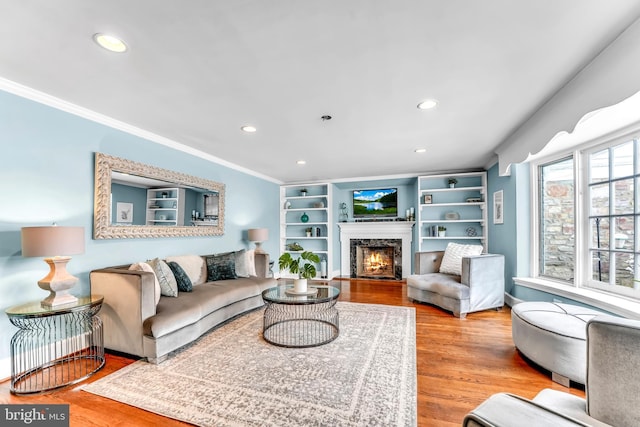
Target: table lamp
point(55, 244)
point(258, 235)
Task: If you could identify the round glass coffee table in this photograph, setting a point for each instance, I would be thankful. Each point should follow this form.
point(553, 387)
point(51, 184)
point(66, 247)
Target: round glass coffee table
point(300, 320)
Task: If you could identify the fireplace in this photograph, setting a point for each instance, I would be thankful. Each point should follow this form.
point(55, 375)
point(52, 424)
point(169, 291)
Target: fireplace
point(375, 262)
point(397, 234)
point(376, 258)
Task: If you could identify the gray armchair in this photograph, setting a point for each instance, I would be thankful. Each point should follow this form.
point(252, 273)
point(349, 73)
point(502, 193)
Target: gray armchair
point(480, 287)
point(612, 387)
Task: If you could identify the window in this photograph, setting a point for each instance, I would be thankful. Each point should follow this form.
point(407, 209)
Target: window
point(557, 220)
point(613, 218)
point(590, 240)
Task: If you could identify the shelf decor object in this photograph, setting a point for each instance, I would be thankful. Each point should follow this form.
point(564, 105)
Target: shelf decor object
point(55, 244)
point(258, 236)
point(304, 217)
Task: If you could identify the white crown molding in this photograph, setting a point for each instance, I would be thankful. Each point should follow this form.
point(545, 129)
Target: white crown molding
point(59, 104)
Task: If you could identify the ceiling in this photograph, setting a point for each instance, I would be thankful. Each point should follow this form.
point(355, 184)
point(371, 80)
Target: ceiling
point(197, 71)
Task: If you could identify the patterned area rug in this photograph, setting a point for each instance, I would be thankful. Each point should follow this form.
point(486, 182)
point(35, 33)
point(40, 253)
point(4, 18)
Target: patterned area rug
point(232, 377)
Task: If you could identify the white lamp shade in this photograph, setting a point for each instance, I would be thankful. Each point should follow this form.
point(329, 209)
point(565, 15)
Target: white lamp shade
point(258, 234)
point(52, 241)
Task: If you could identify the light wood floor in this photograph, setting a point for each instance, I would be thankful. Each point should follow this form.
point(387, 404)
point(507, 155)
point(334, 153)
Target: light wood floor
point(459, 364)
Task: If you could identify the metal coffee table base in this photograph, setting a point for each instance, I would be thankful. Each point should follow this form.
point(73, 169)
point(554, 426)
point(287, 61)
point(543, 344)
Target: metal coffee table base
point(305, 325)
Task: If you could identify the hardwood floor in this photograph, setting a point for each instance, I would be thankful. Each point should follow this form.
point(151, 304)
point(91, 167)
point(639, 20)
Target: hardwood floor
point(459, 364)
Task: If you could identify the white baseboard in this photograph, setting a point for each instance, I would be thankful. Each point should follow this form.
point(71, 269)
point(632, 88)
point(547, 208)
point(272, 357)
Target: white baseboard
point(510, 300)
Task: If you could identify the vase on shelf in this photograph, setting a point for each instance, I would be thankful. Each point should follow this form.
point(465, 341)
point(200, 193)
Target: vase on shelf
point(304, 217)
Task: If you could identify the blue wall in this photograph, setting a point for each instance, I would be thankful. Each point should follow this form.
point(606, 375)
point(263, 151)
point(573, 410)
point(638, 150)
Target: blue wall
point(512, 238)
point(47, 174)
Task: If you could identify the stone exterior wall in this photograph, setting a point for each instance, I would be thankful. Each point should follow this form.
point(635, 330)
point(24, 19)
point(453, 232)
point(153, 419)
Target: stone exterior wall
point(558, 230)
point(558, 251)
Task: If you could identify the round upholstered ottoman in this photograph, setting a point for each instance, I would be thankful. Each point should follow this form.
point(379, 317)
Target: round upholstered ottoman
point(554, 336)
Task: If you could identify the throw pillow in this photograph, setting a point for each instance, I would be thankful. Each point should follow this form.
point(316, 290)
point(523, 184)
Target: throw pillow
point(193, 265)
point(143, 266)
point(168, 284)
point(184, 283)
point(251, 263)
point(242, 267)
point(221, 267)
point(452, 259)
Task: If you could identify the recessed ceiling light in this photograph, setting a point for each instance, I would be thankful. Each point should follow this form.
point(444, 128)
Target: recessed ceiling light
point(428, 104)
point(301, 162)
point(110, 43)
point(249, 128)
point(420, 150)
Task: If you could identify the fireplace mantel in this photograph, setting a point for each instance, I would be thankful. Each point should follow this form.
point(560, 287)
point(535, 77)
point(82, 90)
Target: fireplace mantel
point(376, 230)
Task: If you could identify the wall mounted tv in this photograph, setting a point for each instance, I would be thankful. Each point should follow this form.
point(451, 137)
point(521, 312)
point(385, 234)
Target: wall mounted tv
point(376, 203)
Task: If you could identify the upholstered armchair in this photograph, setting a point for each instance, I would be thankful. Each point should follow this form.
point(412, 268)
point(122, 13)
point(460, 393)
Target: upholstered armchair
point(612, 387)
point(479, 286)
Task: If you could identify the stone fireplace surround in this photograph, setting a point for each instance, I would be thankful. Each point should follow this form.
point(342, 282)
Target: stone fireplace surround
point(402, 230)
point(395, 244)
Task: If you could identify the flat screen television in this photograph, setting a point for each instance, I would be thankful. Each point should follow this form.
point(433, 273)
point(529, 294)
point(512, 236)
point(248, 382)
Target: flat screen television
point(375, 203)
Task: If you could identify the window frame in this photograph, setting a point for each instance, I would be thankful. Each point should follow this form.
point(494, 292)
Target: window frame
point(582, 257)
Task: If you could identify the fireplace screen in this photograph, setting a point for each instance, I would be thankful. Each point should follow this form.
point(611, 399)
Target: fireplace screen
point(375, 262)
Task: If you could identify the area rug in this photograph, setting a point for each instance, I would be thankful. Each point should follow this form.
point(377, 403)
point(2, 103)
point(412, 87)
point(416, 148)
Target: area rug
point(232, 377)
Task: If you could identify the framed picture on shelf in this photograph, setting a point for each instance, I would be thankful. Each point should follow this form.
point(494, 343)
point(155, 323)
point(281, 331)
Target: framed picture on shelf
point(124, 213)
point(498, 213)
point(428, 199)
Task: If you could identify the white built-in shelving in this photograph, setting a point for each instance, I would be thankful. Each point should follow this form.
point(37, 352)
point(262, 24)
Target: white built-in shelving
point(460, 208)
point(165, 206)
point(314, 205)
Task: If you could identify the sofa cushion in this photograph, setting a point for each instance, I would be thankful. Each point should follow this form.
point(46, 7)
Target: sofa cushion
point(183, 281)
point(447, 285)
point(143, 266)
point(193, 265)
point(165, 276)
point(221, 266)
point(173, 314)
point(453, 254)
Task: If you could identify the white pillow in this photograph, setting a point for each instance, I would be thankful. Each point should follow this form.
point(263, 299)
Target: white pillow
point(251, 262)
point(452, 259)
point(192, 266)
point(143, 266)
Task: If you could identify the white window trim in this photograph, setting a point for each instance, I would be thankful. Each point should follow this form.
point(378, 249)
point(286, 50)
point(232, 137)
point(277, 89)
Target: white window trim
point(610, 302)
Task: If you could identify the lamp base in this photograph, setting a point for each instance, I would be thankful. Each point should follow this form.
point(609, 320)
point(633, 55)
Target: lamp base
point(58, 282)
point(259, 249)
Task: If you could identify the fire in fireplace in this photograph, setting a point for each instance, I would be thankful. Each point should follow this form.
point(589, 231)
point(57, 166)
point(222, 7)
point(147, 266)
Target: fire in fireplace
point(375, 262)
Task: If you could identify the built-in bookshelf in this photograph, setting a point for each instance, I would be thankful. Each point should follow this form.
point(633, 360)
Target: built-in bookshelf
point(452, 212)
point(306, 219)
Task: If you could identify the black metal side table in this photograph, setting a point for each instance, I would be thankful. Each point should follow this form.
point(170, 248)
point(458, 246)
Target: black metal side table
point(300, 320)
point(55, 346)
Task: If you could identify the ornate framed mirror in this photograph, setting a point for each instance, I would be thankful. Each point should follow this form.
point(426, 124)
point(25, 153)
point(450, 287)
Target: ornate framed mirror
point(135, 200)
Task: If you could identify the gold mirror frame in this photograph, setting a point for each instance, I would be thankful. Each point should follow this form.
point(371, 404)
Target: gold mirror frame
point(102, 228)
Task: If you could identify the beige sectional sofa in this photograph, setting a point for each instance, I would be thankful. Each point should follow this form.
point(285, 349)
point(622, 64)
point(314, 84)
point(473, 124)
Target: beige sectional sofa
point(135, 324)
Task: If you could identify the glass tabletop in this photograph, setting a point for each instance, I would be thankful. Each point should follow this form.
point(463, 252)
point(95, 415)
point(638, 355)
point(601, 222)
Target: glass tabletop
point(35, 309)
point(279, 295)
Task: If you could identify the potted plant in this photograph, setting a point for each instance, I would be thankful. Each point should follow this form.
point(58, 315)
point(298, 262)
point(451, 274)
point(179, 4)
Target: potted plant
point(452, 182)
point(442, 231)
point(303, 192)
point(309, 231)
point(304, 266)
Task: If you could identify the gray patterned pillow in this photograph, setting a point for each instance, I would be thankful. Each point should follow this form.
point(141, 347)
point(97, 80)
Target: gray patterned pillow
point(184, 283)
point(168, 284)
point(221, 267)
